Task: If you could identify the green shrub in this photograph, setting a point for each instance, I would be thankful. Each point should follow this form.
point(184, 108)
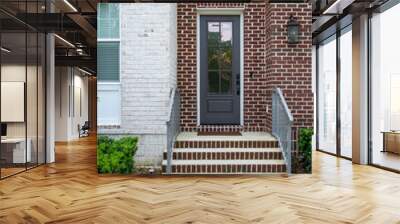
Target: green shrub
point(116, 155)
point(305, 147)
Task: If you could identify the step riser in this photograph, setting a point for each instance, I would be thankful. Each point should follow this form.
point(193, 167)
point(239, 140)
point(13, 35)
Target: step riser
point(225, 155)
point(226, 144)
point(226, 169)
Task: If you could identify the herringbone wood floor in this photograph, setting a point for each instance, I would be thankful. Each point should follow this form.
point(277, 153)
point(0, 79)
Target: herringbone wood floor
point(70, 191)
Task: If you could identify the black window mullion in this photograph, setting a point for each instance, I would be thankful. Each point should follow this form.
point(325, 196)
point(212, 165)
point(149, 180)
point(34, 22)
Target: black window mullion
point(45, 88)
point(26, 86)
point(317, 97)
point(0, 92)
point(37, 90)
point(369, 89)
point(219, 58)
point(338, 82)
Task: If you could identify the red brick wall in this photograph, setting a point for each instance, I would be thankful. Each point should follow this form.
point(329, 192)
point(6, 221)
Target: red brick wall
point(289, 66)
point(268, 62)
point(186, 28)
point(254, 62)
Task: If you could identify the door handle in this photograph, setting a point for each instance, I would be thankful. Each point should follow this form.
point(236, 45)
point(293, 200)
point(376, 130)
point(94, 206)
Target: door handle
point(238, 84)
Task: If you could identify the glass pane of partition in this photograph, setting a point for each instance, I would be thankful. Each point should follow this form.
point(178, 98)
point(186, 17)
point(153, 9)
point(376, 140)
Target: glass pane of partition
point(346, 93)
point(13, 92)
point(327, 95)
point(385, 89)
point(31, 98)
point(41, 98)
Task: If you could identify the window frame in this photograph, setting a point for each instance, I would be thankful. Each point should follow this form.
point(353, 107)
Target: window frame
point(379, 10)
point(337, 32)
point(113, 82)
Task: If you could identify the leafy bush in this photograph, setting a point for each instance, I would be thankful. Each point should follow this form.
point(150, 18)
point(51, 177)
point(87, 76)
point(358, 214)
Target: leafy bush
point(116, 155)
point(305, 147)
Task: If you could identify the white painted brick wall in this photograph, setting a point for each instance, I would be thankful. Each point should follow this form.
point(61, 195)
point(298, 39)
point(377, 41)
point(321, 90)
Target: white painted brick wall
point(148, 72)
point(148, 65)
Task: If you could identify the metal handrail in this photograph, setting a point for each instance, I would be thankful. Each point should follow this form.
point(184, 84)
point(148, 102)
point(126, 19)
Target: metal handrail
point(173, 125)
point(282, 121)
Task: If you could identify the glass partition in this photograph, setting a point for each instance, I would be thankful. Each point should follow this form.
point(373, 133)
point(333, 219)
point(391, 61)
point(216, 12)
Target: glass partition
point(334, 99)
point(22, 101)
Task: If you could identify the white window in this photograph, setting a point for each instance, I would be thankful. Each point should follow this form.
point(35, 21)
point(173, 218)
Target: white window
point(108, 103)
point(108, 65)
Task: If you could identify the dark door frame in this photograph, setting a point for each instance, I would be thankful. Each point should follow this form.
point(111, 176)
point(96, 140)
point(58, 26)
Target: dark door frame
point(220, 12)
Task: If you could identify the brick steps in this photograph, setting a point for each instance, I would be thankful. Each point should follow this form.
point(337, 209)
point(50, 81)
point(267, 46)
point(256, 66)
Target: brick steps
point(250, 153)
point(226, 144)
point(232, 167)
point(225, 154)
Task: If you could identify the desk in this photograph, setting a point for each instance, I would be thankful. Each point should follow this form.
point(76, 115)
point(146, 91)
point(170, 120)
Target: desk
point(16, 147)
point(391, 141)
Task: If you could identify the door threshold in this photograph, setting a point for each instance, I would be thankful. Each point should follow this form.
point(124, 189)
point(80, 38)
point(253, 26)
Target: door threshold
point(219, 133)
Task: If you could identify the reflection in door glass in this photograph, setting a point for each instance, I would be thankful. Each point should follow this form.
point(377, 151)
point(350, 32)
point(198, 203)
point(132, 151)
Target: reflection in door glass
point(213, 81)
point(225, 61)
point(226, 33)
point(219, 46)
point(226, 81)
point(213, 27)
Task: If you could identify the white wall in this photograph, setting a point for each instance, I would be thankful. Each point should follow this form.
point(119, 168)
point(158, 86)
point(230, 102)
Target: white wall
point(148, 73)
point(12, 73)
point(70, 83)
point(33, 126)
point(16, 73)
point(148, 58)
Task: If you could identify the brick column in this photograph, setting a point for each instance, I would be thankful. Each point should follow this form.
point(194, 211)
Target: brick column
point(289, 67)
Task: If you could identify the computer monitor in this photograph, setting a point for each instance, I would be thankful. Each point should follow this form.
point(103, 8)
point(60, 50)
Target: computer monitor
point(3, 129)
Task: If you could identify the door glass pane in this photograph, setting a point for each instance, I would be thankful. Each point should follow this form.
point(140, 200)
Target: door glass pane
point(213, 58)
point(226, 58)
point(212, 45)
point(226, 34)
point(327, 95)
point(226, 77)
point(213, 81)
point(220, 57)
point(213, 32)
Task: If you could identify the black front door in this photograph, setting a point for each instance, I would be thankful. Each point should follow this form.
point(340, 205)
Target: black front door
point(219, 70)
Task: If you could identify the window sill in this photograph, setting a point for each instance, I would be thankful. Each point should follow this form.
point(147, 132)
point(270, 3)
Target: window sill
point(109, 126)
